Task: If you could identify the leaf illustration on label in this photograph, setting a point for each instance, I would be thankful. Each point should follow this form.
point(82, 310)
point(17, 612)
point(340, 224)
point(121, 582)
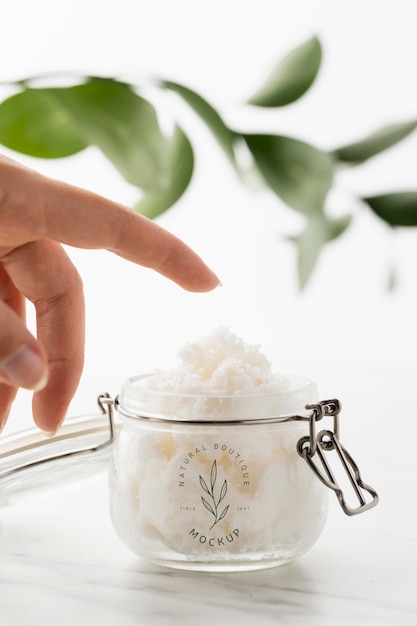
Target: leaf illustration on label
point(224, 513)
point(223, 492)
point(213, 508)
point(204, 485)
point(208, 506)
point(213, 474)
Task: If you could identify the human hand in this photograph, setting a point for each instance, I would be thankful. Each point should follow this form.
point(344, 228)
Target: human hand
point(37, 214)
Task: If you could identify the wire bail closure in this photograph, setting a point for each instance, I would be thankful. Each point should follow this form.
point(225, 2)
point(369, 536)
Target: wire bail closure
point(313, 450)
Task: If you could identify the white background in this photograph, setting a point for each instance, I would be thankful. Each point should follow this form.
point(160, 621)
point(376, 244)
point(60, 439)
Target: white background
point(345, 328)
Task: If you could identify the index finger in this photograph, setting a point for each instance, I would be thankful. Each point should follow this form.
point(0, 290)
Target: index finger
point(35, 207)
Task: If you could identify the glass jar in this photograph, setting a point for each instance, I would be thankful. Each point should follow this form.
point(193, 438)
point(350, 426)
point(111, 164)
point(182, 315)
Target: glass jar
point(215, 483)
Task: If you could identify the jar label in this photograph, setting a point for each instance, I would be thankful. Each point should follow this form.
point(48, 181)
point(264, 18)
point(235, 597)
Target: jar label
point(214, 483)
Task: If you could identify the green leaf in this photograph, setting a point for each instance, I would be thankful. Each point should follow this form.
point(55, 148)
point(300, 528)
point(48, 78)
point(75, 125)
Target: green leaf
point(318, 231)
point(123, 125)
point(397, 209)
point(380, 140)
point(181, 170)
point(298, 172)
point(225, 137)
point(309, 244)
point(32, 123)
point(292, 77)
point(336, 227)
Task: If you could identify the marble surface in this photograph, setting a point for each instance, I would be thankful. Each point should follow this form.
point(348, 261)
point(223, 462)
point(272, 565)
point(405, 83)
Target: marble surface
point(62, 563)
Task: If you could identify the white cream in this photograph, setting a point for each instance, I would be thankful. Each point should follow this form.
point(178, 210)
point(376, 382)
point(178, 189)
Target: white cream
point(216, 495)
point(219, 364)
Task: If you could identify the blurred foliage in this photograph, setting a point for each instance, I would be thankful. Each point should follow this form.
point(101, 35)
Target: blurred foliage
point(55, 122)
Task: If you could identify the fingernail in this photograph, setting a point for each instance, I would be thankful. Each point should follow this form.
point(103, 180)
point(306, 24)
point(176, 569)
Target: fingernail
point(48, 433)
point(52, 433)
point(219, 282)
point(25, 368)
point(217, 279)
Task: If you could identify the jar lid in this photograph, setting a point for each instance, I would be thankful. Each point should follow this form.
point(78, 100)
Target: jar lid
point(138, 399)
point(31, 459)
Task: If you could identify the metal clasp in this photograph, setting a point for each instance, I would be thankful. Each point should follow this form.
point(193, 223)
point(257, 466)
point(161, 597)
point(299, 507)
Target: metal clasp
point(315, 448)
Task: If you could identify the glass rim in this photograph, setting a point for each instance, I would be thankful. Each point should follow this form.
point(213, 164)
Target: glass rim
point(136, 401)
